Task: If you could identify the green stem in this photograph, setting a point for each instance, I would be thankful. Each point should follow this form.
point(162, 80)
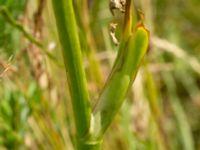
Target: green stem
point(68, 34)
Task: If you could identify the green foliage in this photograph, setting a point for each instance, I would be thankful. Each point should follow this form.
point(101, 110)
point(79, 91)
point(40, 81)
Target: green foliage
point(8, 34)
point(13, 116)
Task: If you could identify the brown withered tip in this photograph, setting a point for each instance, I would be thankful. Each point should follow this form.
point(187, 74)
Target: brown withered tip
point(113, 27)
point(118, 5)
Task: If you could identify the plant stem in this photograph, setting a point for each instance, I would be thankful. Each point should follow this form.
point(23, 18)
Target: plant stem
point(68, 34)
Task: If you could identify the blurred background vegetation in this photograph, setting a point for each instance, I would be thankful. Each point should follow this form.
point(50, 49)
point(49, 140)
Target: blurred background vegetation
point(162, 111)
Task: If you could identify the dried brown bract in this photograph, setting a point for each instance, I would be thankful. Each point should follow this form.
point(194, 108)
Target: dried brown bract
point(117, 4)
